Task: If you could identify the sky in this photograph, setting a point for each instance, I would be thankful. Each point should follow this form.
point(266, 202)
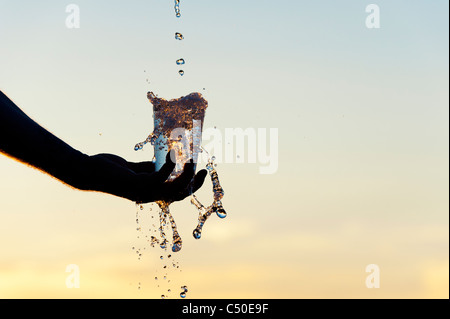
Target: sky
point(362, 120)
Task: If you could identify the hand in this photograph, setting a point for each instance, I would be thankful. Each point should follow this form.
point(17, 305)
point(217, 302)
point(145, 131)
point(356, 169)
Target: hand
point(103, 172)
point(139, 182)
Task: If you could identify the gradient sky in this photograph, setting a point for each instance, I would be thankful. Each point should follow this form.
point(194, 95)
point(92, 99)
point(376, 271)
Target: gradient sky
point(362, 116)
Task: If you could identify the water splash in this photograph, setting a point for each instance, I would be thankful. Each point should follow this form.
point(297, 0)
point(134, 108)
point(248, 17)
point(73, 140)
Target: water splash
point(165, 216)
point(168, 263)
point(150, 139)
point(217, 188)
point(217, 207)
point(186, 113)
point(180, 62)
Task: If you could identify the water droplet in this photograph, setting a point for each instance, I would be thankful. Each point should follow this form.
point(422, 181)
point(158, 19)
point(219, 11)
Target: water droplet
point(161, 257)
point(197, 234)
point(141, 207)
point(184, 291)
point(177, 8)
point(163, 297)
point(179, 36)
point(180, 61)
point(139, 146)
point(153, 241)
point(177, 243)
point(221, 213)
point(181, 72)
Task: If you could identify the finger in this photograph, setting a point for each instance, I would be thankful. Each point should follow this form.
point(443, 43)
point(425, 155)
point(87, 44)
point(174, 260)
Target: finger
point(198, 180)
point(193, 186)
point(165, 171)
point(182, 181)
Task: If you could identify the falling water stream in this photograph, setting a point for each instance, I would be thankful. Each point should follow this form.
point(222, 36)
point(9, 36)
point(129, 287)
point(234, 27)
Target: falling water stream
point(185, 112)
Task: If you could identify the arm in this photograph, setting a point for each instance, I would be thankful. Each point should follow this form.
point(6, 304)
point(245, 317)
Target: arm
point(24, 139)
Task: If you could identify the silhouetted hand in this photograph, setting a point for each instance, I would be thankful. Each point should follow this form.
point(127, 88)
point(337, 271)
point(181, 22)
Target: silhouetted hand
point(27, 141)
point(138, 181)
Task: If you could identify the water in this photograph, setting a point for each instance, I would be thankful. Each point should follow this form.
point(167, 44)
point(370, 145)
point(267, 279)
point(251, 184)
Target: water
point(182, 117)
point(150, 139)
point(217, 189)
point(188, 110)
point(165, 216)
point(165, 277)
point(178, 35)
point(220, 212)
point(204, 213)
point(183, 292)
point(177, 8)
point(216, 206)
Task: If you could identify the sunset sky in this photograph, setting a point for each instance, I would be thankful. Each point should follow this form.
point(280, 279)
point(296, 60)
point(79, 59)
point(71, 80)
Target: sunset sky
point(362, 118)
